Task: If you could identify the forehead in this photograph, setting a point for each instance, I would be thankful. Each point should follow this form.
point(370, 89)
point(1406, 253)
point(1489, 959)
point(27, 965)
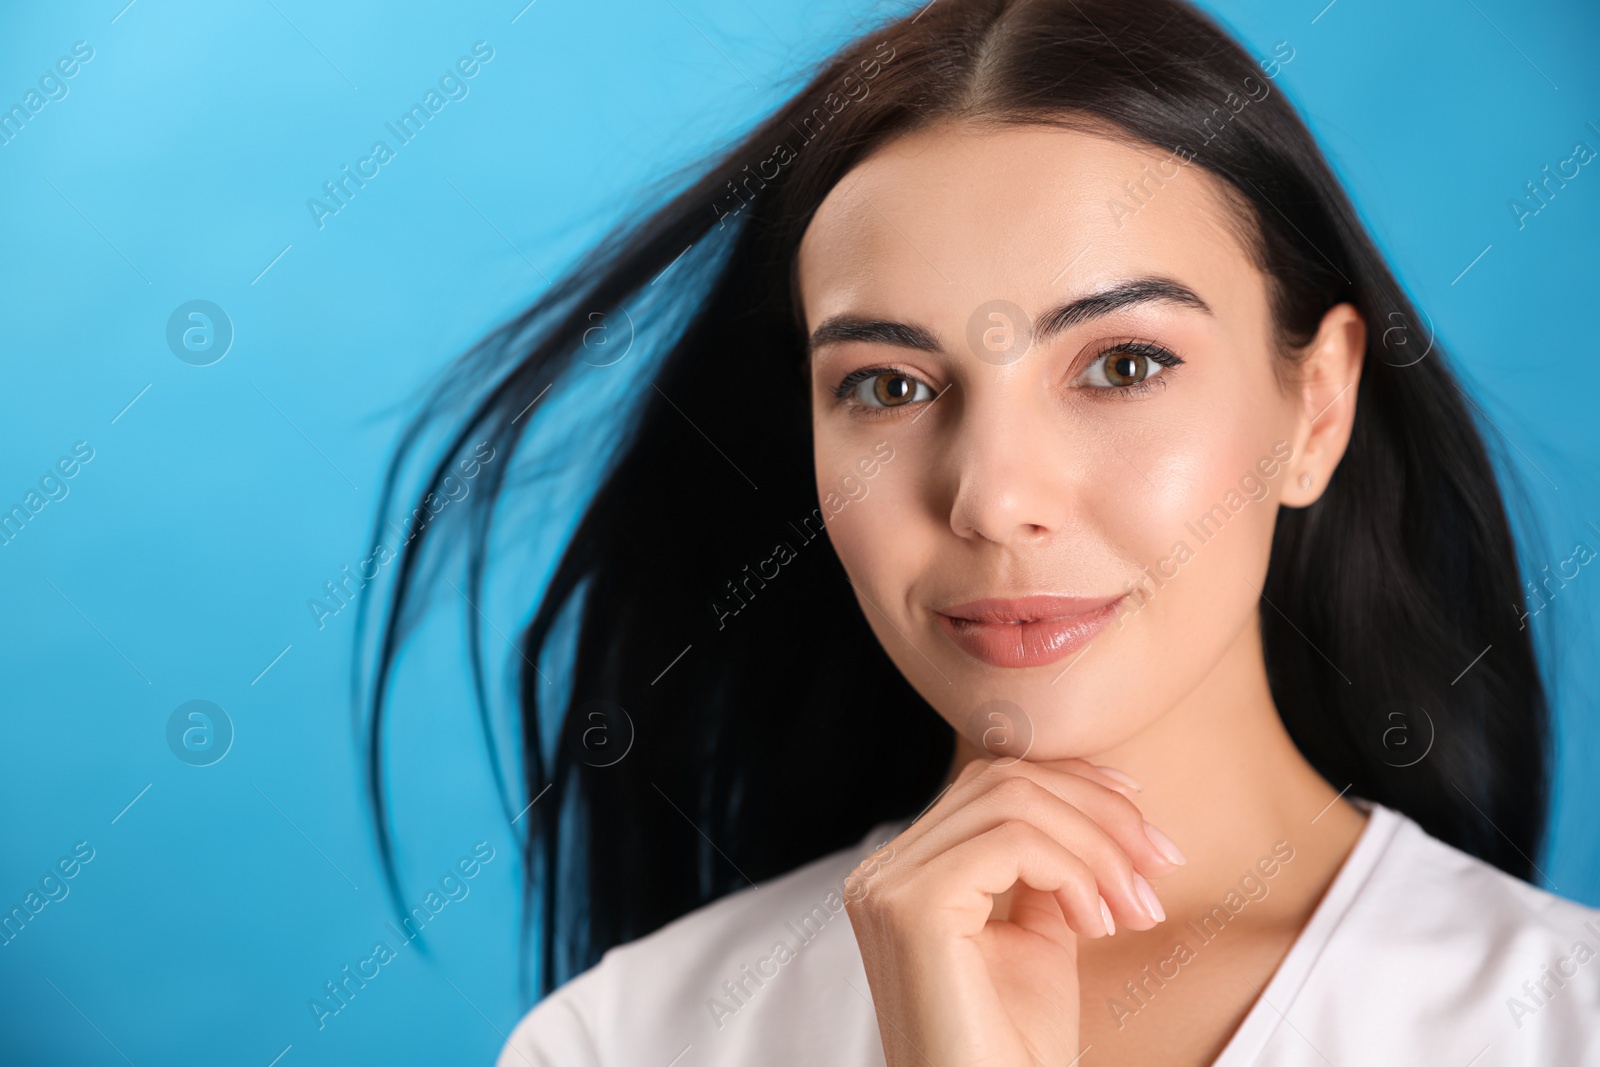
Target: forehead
point(953, 216)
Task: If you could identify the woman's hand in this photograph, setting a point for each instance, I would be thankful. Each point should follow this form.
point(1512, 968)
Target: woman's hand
point(954, 988)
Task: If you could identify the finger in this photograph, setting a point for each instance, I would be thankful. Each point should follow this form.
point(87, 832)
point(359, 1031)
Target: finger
point(1110, 777)
point(1152, 852)
point(1039, 913)
point(963, 881)
point(971, 781)
point(1019, 798)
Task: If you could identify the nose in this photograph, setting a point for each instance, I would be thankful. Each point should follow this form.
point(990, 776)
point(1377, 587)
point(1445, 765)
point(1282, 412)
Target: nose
point(1011, 486)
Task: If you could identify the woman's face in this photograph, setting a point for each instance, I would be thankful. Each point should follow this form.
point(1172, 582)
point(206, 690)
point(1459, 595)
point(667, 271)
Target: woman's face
point(1129, 453)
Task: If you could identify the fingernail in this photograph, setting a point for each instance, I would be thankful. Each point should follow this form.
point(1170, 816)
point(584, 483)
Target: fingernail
point(1105, 915)
point(1164, 844)
point(1148, 896)
point(1116, 775)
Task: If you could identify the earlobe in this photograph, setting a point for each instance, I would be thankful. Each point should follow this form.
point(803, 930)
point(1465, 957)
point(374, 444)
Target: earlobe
point(1330, 373)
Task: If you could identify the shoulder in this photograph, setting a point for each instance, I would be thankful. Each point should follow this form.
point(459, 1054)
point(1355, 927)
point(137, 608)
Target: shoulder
point(736, 979)
point(1449, 902)
point(1438, 942)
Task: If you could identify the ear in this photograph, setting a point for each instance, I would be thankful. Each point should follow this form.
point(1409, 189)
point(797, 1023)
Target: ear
point(1328, 375)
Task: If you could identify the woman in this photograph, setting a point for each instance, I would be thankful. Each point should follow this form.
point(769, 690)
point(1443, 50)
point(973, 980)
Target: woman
point(1159, 693)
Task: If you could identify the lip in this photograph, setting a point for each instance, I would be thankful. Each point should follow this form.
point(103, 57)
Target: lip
point(1028, 631)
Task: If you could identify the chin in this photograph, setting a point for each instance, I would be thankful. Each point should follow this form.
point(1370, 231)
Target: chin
point(1075, 718)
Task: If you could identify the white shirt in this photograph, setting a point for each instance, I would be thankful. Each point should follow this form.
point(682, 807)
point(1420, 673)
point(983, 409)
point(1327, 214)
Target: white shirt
point(1418, 954)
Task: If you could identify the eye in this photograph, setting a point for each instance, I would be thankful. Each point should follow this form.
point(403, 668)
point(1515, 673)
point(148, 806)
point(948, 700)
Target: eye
point(1127, 366)
point(882, 387)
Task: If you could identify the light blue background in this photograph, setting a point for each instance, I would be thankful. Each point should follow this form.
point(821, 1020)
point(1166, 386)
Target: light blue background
point(180, 563)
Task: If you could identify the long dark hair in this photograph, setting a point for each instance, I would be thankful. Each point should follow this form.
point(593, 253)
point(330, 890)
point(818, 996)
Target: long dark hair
point(759, 723)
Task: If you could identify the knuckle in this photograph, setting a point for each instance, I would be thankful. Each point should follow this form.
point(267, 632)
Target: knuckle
point(1126, 813)
point(1016, 833)
point(1015, 789)
point(868, 876)
point(889, 899)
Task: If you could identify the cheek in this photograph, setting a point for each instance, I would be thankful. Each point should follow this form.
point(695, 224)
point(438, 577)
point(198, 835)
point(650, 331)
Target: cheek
point(868, 517)
point(1169, 503)
point(883, 535)
point(1187, 495)
point(1179, 488)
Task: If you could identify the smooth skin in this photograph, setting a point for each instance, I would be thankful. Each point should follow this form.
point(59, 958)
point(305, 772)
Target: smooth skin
point(1070, 470)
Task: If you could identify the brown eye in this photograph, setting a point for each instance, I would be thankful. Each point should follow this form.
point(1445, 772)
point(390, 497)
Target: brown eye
point(1127, 368)
point(878, 388)
point(893, 390)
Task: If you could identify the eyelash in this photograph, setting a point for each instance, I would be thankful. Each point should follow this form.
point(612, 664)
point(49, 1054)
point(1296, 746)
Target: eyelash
point(848, 386)
point(1158, 354)
point(1153, 352)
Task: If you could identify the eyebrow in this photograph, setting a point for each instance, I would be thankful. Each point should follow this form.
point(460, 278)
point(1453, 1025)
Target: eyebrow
point(1151, 290)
